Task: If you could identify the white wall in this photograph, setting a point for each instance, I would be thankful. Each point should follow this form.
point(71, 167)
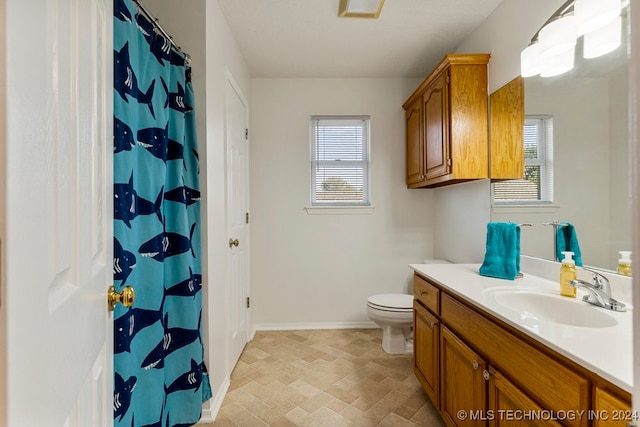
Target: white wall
point(3, 180)
point(319, 270)
point(619, 168)
point(200, 28)
point(464, 210)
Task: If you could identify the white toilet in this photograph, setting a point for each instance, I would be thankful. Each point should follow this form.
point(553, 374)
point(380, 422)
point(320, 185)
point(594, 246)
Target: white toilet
point(394, 314)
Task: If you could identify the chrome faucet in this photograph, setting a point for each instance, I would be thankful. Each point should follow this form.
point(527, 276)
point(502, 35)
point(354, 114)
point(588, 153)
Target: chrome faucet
point(599, 292)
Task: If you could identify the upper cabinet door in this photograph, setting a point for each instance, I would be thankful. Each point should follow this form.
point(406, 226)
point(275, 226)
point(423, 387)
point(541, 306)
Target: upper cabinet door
point(415, 143)
point(435, 105)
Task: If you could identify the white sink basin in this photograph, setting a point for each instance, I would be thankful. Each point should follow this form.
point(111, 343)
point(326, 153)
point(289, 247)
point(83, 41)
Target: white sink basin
point(533, 306)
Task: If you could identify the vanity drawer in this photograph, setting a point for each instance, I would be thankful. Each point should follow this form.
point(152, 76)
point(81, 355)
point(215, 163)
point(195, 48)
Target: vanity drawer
point(426, 293)
point(556, 386)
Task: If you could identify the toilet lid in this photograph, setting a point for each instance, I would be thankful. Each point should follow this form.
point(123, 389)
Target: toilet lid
point(392, 301)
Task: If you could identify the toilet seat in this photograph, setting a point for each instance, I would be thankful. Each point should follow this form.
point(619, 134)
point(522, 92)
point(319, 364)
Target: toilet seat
point(400, 303)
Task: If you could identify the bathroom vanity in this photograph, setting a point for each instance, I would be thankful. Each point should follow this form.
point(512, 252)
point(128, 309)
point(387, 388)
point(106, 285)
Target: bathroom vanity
point(498, 352)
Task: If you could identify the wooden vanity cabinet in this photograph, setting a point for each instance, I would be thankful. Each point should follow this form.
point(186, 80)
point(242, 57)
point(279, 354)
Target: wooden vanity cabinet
point(464, 387)
point(506, 398)
point(482, 364)
point(447, 123)
point(426, 356)
point(611, 410)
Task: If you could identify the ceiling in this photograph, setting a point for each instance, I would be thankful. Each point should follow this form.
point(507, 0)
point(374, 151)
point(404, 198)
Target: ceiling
point(305, 38)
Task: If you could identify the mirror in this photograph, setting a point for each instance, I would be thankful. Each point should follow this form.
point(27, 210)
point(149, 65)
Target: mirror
point(591, 181)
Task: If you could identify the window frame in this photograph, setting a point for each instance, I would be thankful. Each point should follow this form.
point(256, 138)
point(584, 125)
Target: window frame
point(364, 163)
point(544, 141)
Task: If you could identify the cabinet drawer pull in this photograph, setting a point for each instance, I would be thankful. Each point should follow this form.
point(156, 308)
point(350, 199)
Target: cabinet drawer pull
point(486, 375)
point(475, 364)
point(422, 293)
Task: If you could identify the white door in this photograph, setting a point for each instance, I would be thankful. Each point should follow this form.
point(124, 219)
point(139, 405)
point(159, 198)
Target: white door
point(238, 219)
point(59, 235)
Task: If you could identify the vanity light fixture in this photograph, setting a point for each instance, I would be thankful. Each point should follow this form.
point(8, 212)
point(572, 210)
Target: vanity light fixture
point(594, 14)
point(360, 8)
point(603, 40)
point(552, 49)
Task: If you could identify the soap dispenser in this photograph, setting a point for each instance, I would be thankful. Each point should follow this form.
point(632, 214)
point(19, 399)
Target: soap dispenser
point(567, 274)
point(624, 263)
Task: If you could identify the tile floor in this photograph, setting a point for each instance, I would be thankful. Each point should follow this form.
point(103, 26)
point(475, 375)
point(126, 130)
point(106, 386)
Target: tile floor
point(324, 378)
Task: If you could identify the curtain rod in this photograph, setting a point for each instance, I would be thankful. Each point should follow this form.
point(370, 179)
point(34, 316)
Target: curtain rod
point(157, 25)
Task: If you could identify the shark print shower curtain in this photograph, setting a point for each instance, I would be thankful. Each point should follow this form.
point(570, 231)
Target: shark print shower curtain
point(160, 379)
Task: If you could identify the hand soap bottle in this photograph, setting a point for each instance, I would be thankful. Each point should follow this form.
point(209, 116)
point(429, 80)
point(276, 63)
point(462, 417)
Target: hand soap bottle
point(624, 263)
point(567, 274)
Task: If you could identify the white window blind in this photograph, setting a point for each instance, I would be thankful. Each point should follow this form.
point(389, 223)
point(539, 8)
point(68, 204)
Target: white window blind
point(537, 185)
point(339, 160)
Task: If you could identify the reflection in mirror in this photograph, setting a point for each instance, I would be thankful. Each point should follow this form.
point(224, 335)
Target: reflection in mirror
point(590, 159)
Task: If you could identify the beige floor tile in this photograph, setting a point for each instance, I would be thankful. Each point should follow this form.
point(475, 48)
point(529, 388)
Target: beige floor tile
point(324, 378)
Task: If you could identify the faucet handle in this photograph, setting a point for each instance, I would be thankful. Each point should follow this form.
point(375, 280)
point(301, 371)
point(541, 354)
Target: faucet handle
point(599, 280)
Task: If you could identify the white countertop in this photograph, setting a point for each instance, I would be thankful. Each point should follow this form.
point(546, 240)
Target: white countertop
point(606, 351)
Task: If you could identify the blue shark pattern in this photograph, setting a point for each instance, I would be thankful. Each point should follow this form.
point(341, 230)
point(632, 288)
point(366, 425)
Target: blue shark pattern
point(167, 244)
point(155, 140)
point(127, 326)
point(160, 376)
point(123, 262)
point(159, 47)
point(127, 205)
point(190, 380)
point(187, 288)
point(121, 11)
point(173, 339)
point(122, 137)
point(126, 82)
point(184, 194)
point(175, 100)
point(122, 391)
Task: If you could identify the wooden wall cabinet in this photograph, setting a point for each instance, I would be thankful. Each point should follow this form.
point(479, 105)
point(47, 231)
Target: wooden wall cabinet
point(507, 131)
point(481, 365)
point(447, 123)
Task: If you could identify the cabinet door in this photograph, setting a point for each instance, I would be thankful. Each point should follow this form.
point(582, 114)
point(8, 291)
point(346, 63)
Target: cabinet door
point(435, 106)
point(426, 351)
point(463, 395)
point(510, 407)
point(415, 143)
point(610, 410)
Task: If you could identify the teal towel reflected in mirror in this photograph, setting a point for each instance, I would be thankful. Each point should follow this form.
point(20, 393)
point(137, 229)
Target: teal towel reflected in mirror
point(567, 240)
point(502, 255)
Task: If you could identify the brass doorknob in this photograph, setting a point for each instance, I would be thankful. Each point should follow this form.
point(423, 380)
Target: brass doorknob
point(233, 242)
point(126, 297)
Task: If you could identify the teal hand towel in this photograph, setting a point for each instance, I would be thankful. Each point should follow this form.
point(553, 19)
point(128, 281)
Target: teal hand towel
point(502, 256)
point(567, 240)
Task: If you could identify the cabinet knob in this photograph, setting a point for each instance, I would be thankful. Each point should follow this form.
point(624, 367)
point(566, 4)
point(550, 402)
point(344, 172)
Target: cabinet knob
point(486, 375)
point(432, 325)
point(475, 364)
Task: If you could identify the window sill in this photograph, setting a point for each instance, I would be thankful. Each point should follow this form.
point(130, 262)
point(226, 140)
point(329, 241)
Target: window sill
point(525, 208)
point(339, 210)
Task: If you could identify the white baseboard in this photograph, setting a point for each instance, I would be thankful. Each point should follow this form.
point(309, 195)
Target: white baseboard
point(309, 326)
point(211, 407)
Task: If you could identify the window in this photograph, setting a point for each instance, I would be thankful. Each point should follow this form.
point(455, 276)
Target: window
point(537, 185)
point(340, 161)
